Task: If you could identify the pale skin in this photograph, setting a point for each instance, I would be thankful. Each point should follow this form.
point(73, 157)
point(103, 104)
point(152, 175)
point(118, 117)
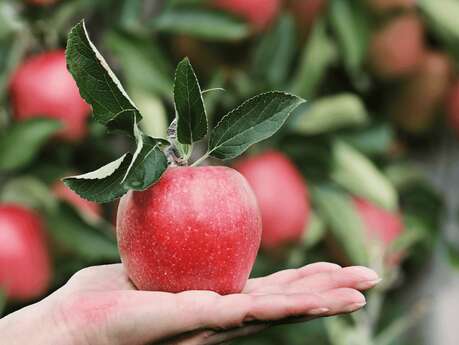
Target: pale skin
point(100, 306)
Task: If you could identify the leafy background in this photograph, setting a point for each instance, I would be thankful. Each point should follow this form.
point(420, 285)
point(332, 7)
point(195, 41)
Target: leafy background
point(346, 140)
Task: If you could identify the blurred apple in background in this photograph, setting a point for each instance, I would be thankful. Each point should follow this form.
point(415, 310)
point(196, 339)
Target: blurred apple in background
point(259, 13)
point(42, 87)
point(282, 197)
point(306, 12)
point(397, 48)
point(25, 270)
point(90, 209)
point(416, 104)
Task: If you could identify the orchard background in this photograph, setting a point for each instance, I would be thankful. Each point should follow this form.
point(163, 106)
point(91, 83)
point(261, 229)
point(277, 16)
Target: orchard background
point(376, 143)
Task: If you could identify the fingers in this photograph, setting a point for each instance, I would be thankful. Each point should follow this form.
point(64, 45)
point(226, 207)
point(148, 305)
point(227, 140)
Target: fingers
point(287, 276)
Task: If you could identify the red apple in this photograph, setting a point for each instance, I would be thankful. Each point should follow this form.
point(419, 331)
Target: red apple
point(380, 225)
point(306, 12)
point(397, 48)
point(25, 269)
point(282, 196)
point(259, 13)
point(42, 86)
point(381, 6)
point(88, 208)
point(195, 229)
point(415, 106)
point(452, 107)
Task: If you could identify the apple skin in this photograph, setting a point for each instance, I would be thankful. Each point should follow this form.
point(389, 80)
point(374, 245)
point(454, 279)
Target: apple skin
point(415, 106)
point(380, 225)
point(197, 228)
point(397, 48)
point(259, 13)
point(25, 269)
point(42, 86)
point(282, 196)
point(306, 12)
point(88, 208)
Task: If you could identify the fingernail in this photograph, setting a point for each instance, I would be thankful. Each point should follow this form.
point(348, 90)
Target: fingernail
point(368, 284)
point(318, 311)
point(355, 306)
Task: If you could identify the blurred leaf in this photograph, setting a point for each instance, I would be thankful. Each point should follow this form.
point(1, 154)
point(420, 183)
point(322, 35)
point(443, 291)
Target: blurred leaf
point(201, 23)
point(373, 140)
point(189, 105)
point(72, 233)
point(315, 230)
point(212, 99)
point(10, 21)
point(329, 113)
point(408, 238)
point(154, 122)
point(355, 172)
point(2, 302)
point(143, 63)
point(338, 211)
point(442, 20)
point(274, 53)
point(253, 121)
point(97, 83)
point(20, 143)
point(453, 255)
point(317, 56)
point(28, 191)
point(403, 174)
point(351, 25)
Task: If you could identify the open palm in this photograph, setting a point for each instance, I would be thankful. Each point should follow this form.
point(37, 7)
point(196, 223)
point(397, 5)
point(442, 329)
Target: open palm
point(100, 304)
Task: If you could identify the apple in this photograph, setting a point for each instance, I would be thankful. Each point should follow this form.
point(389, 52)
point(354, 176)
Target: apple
point(259, 13)
point(42, 86)
point(397, 48)
point(25, 270)
point(197, 228)
point(90, 209)
point(420, 97)
point(452, 106)
point(306, 12)
point(382, 6)
point(282, 196)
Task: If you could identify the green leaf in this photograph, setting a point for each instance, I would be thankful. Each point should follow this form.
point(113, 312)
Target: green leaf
point(2, 301)
point(318, 55)
point(201, 23)
point(189, 105)
point(253, 121)
point(315, 231)
point(137, 171)
point(97, 83)
point(351, 25)
point(355, 172)
point(73, 234)
point(441, 18)
point(373, 140)
point(28, 191)
point(330, 113)
point(277, 49)
point(104, 184)
point(154, 122)
point(20, 143)
point(338, 211)
point(144, 65)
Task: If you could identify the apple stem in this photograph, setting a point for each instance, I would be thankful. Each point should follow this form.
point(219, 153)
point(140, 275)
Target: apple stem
point(200, 160)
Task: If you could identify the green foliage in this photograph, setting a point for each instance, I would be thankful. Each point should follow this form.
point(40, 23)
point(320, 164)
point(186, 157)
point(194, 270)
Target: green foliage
point(32, 135)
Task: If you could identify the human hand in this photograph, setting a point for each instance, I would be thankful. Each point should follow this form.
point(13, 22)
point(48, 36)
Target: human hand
point(100, 306)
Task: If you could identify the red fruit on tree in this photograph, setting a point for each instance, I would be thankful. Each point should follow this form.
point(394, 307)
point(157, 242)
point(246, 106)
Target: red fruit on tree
point(25, 269)
point(195, 229)
point(397, 48)
point(90, 209)
point(380, 225)
point(452, 106)
point(381, 6)
point(259, 13)
point(282, 197)
point(306, 12)
point(42, 86)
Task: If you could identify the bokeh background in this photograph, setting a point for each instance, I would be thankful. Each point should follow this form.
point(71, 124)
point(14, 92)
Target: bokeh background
point(376, 143)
